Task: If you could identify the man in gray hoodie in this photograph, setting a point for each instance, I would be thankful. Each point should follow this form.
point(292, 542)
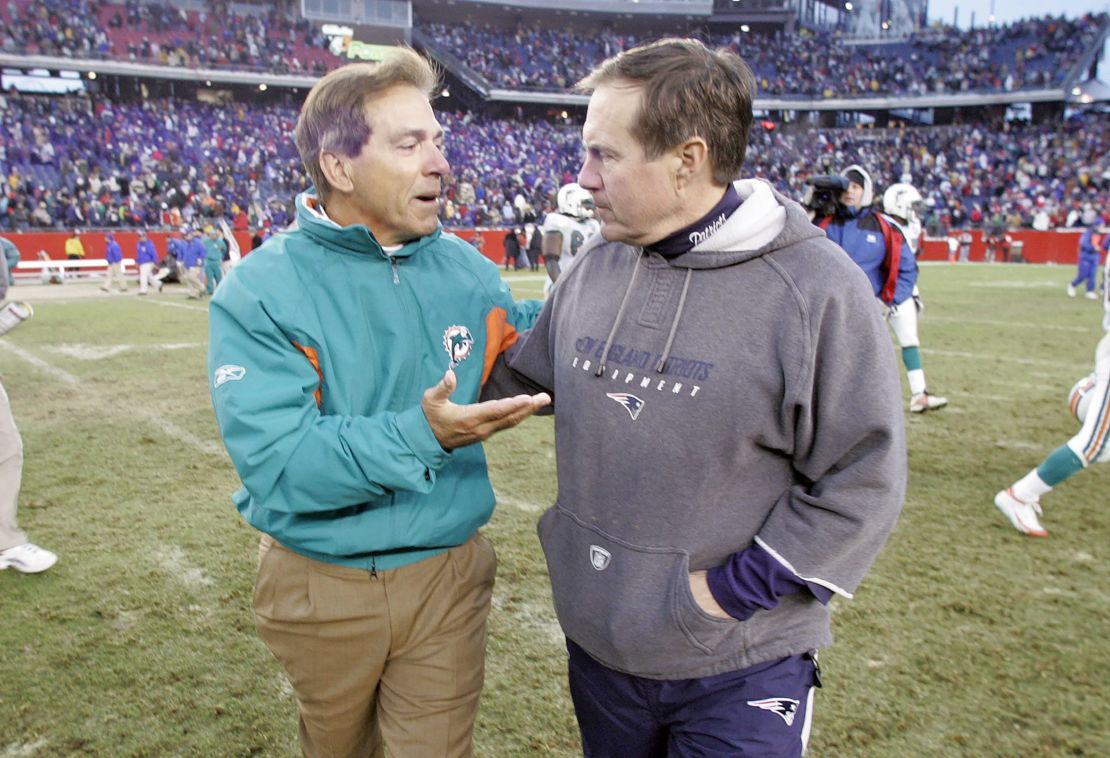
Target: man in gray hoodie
point(728, 428)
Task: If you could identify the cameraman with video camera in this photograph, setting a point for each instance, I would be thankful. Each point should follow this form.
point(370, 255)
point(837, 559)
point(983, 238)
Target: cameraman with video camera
point(841, 205)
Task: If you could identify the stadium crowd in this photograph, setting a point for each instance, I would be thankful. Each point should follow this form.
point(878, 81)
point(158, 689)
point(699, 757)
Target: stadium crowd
point(78, 162)
point(166, 35)
point(1030, 54)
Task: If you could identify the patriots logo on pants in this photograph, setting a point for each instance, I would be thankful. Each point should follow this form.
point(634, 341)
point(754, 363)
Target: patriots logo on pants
point(631, 403)
point(783, 706)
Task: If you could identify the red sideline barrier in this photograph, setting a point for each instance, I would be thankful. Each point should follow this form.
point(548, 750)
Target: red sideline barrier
point(29, 243)
point(1058, 246)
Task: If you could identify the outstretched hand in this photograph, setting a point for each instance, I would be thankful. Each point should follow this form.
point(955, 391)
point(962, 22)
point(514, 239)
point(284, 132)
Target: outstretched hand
point(458, 425)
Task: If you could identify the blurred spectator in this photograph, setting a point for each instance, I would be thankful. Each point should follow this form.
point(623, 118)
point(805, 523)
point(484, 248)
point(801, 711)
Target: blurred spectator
point(1035, 53)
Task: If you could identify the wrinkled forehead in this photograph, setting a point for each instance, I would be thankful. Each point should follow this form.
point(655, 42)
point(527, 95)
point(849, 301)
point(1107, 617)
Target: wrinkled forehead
point(402, 111)
point(613, 109)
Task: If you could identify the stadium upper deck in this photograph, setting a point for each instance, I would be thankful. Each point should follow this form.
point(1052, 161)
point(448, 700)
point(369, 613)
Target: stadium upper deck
point(136, 151)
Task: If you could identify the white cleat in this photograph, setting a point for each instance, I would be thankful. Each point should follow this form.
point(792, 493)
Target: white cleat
point(923, 401)
point(27, 558)
point(1091, 295)
point(1022, 515)
point(1071, 290)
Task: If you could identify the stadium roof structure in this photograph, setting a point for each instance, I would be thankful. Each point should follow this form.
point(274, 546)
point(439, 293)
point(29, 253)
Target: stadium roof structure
point(1090, 91)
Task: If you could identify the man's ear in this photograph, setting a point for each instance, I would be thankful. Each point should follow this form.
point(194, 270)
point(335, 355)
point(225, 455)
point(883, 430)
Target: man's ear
point(691, 158)
point(337, 170)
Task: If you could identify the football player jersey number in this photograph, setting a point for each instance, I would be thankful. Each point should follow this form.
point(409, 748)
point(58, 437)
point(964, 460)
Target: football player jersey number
point(576, 240)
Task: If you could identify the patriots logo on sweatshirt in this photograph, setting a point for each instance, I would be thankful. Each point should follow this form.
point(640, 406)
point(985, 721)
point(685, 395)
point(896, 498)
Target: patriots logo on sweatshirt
point(783, 706)
point(631, 403)
point(457, 342)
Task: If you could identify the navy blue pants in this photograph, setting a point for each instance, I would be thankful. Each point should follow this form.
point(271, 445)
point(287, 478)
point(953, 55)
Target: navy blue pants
point(1088, 267)
point(760, 711)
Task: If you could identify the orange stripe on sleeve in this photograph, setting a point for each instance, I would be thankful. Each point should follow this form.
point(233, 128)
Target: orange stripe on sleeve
point(314, 359)
point(500, 336)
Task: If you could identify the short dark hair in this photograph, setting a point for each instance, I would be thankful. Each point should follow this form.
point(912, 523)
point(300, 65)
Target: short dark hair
point(333, 117)
point(688, 91)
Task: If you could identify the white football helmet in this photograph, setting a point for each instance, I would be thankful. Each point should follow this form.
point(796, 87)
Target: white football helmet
point(901, 200)
point(1079, 399)
point(575, 201)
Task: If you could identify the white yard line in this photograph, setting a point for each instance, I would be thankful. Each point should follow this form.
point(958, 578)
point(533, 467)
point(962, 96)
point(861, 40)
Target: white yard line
point(98, 352)
point(22, 749)
point(520, 505)
point(1018, 445)
point(167, 427)
point(537, 616)
point(183, 306)
point(40, 364)
point(1003, 358)
point(171, 429)
point(1013, 324)
point(175, 563)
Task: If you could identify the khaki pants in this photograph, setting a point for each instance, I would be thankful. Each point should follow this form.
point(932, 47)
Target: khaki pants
point(397, 658)
point(192, 281)
point(146, 276)
point(114, 277)
point(11, 475)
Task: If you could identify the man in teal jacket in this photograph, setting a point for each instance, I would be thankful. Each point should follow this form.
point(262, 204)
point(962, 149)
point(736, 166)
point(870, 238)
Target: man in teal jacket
point(345, 362)
point(214, 247)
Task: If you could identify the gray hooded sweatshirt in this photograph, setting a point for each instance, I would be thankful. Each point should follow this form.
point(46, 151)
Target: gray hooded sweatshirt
point(727, 396)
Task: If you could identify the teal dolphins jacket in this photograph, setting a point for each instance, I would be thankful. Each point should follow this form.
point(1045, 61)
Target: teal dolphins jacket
point(321, 345)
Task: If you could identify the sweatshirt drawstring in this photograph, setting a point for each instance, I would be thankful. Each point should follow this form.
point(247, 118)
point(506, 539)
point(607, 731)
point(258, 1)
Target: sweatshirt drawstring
point(674, 324)
point(620, 313)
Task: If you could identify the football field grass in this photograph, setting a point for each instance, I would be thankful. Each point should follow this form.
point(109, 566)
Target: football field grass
point(966, 638)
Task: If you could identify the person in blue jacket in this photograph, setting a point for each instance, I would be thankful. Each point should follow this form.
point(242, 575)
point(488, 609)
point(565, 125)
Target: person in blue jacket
point(1092, 244)
point(876, 244)
point(195, 256)
point(114, 256)
point(147, 257)
point(345, 360)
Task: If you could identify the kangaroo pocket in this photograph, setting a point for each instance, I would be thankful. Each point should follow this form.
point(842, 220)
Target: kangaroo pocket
point(629, 605)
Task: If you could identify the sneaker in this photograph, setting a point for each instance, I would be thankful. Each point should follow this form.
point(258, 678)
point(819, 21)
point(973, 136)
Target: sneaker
point(160, 285)
point(923, 401)
point(1091, 295)
point(28, 558)
point(1071, 290)
point(1022, 515)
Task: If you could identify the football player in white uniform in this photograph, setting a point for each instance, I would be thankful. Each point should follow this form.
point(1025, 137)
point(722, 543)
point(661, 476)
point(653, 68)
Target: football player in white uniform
point(566, 230)
point(901, 201)
point(1091, 406)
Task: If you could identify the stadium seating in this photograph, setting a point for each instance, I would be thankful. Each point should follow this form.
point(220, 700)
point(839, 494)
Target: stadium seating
point(103, 161)
point(165, 35)
point(1033, 54)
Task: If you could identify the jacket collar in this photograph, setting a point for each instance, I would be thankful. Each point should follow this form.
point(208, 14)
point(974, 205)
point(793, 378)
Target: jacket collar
point(356, 238)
